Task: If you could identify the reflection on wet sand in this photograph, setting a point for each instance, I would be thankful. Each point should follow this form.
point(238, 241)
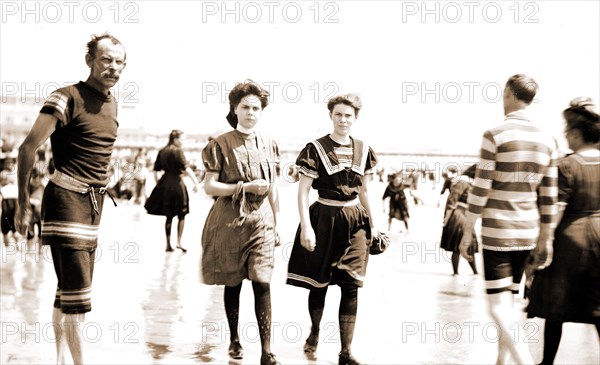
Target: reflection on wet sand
point(160, 308)
point(23, 275)
point(149, 307)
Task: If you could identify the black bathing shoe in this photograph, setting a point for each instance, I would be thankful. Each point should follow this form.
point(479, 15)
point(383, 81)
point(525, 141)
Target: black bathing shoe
point(310, 346)
point(347, 359)
point(268, 358)
point(236, 351)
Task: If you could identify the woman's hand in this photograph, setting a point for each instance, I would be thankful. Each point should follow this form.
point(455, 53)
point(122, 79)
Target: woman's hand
point(257, 187)
point(307, 238)
point(446, 218)
point(291, 174)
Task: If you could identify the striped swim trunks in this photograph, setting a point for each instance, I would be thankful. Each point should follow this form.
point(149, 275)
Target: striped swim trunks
point(74, 270)
point(503, 270)
point(71, 213)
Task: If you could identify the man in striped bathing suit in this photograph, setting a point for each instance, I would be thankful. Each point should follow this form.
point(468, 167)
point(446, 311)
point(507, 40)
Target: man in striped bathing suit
point(81, 122)
point(515, 194)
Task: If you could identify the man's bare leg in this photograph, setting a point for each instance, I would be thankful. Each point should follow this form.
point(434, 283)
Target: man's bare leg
point(72, 326)
point(501, 310)
point(502, 355)
point(58, 324)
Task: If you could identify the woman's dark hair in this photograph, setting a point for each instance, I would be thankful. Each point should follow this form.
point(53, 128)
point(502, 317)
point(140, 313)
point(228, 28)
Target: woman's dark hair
point(352, 100)
point(92, 45)
point(523, 87)
point(581, 115)
point(175, 134)
point(240, 91)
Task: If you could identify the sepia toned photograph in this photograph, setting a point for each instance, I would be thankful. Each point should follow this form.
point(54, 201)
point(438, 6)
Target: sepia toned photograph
point(300, 182)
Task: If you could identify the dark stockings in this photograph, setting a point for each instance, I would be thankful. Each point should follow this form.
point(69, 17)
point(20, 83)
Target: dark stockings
point(262, 309)
point(316, 303)
point(456, 260)
point(347, 315)
point(552, 335)
point(231, 299)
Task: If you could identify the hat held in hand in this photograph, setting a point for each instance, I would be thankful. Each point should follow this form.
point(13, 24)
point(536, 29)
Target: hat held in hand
point(379, 244)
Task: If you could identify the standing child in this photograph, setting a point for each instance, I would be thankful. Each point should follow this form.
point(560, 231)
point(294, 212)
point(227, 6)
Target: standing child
point(398, 205)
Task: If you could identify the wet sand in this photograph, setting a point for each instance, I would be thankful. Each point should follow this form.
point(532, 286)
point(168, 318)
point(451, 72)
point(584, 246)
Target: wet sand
point(149, 306)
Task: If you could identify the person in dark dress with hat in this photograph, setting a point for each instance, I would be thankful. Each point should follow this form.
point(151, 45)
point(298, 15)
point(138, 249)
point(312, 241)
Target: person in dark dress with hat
point(454, 218)
point(170, 196)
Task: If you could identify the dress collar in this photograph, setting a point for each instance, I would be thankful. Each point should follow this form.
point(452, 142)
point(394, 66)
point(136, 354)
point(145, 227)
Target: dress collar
point(325, 146)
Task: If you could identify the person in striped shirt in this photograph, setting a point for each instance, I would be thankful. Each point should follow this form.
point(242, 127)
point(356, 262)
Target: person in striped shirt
point(515, 194)
point(81, 122)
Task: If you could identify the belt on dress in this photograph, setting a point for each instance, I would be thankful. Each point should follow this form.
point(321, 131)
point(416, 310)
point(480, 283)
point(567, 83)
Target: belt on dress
point(582, 213)
point(338, 203)
point(72, 184)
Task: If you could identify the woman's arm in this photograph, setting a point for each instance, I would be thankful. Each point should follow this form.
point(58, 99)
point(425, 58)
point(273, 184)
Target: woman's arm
point(274, 202)
point(307, 234)
point(386, 202)
point(214, 187)
point(363, 197)
point(190, 173)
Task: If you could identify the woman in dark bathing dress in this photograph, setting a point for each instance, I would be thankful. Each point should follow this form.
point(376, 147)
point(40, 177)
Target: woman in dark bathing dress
point(568, 290)
point(332, 241)
point(170, 196)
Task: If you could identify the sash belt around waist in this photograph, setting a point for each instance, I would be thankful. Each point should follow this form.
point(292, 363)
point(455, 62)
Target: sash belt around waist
point(338, 203)
point(70, 183)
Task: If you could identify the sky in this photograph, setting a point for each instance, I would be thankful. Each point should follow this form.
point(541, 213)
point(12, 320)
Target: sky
point(430, 73)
